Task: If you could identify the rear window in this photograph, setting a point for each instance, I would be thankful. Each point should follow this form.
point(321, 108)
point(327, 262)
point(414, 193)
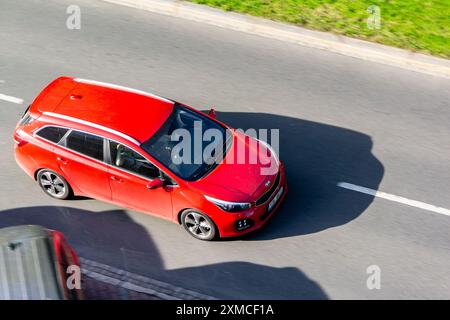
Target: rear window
point(26, 118)
point(87, 144)
point(53, 134)
point(26, 111)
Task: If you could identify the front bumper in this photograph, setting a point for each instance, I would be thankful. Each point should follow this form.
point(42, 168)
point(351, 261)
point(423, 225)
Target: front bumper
point(258, 215)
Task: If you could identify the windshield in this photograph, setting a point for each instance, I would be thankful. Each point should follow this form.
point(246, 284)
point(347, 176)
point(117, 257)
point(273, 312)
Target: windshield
point(189, 144)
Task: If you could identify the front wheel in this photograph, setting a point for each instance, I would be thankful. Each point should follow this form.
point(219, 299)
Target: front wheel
point(198, 225)
point(53, 184)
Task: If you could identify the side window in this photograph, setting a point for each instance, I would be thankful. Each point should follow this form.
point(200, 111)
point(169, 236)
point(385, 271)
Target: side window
point(127, 159)
point(53, 134)
point(86, 144)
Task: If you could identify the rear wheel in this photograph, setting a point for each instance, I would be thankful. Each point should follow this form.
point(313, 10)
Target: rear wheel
point(199, 225)
point(53, 184)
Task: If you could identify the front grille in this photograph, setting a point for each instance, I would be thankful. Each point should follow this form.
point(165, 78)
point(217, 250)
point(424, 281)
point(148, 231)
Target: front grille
point(266, 196)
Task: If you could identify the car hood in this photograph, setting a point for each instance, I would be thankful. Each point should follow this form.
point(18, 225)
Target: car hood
point(233, 180)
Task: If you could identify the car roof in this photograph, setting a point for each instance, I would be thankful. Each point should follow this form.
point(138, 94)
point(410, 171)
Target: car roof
point(27, 269)
point(23, 232)
point(132, 112)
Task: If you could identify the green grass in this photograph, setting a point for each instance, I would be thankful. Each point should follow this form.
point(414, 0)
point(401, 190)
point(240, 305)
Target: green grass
point(417, 25)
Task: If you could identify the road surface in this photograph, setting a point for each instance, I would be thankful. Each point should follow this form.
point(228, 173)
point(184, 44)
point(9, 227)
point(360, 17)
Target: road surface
point(341, 120)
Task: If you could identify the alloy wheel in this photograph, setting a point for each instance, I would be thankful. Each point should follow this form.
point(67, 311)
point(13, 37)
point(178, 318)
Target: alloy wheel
point(53, 184)
point(199, 225)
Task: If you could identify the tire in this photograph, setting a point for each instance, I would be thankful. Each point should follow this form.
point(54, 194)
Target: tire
point(199, 225)
point(53, 184)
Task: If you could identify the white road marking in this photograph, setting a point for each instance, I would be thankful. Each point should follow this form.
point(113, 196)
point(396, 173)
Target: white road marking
point(131, 281)
point(126, 285)
point(392, 197)
point(10, 99)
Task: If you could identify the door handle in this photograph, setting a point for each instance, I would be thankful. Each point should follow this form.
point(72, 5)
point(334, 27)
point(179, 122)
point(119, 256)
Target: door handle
point(61, 159)
point(114, 178)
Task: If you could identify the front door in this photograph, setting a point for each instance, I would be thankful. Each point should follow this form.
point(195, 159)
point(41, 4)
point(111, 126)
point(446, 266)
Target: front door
point(130, 173)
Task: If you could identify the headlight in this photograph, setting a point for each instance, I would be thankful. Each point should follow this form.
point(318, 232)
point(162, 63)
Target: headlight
point(230, 206)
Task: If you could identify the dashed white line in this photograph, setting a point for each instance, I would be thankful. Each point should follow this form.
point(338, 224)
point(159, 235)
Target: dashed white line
point(392, 197)
point(10, 99)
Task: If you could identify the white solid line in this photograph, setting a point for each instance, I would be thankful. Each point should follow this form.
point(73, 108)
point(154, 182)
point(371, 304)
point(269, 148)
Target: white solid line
point(391, 197)
point(10, 99)
point(128, 280)
point(127, 285)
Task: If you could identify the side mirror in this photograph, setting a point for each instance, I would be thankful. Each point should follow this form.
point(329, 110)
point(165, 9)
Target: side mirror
point(155, 183)
point(212, 113)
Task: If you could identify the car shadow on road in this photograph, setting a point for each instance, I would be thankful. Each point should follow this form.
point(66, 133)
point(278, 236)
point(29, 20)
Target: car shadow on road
point(317, 156)
point(113, 238)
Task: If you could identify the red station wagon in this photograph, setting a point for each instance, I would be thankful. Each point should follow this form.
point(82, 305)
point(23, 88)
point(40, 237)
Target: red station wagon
point(112, 143)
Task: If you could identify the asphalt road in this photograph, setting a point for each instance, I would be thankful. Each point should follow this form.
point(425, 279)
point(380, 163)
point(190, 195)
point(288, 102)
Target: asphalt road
point(341, 119)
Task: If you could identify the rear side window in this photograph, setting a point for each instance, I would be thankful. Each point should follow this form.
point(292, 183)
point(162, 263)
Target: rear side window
point(87, 144)
point(53, 134)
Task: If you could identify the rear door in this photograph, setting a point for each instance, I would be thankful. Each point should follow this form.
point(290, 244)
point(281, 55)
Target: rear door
point(80, 156)
point(38, 153)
